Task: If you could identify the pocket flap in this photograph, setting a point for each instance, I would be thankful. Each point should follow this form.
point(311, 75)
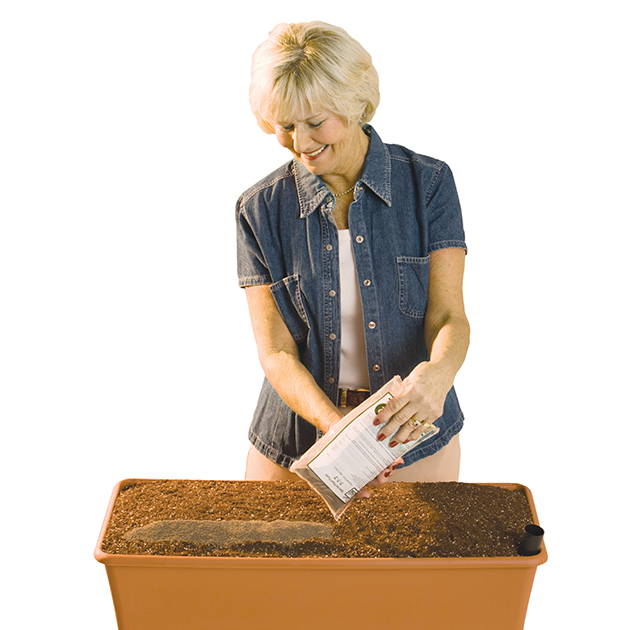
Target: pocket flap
point(413, 285)
point(288, 297)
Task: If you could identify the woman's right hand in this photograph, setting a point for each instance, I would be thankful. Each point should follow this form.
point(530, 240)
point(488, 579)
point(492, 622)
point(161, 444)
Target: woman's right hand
point(380, 479)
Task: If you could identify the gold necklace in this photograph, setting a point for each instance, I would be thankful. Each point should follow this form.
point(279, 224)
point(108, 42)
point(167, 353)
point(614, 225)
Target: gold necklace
point(345, 192)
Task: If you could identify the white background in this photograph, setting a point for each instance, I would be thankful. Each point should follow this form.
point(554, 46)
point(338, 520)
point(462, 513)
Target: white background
point(126, 346)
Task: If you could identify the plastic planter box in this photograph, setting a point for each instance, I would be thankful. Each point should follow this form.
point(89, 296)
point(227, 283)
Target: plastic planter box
point(227, 593)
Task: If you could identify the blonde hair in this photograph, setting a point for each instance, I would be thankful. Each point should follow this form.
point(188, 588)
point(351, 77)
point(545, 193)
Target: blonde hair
point(308, 66)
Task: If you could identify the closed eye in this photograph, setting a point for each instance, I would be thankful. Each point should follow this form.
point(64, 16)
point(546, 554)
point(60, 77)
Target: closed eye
point(314, 125)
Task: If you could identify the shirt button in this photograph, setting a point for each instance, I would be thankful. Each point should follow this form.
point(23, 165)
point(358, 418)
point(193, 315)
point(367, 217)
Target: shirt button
point(367, 282)
point(376, 367)
point(331, 379)
point(329, 247)
point(359, 239)
point(372, 325)
point(332, 336)
point(332, 293)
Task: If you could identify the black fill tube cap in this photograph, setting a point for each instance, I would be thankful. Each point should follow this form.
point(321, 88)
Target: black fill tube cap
point(531, 542)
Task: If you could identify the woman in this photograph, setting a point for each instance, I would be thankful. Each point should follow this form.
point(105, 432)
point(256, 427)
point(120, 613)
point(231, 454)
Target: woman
point(352, 256)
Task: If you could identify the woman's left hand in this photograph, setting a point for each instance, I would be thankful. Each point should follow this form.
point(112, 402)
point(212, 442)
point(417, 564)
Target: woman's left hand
point(422, 397)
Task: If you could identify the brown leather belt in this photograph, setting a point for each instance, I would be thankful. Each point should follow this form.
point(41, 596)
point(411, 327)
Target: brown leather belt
point(347, 397)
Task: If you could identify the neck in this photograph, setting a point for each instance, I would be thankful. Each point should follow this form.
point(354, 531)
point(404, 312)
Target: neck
point(347, 176)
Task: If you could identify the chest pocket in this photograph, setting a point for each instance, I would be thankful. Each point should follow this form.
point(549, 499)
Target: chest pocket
point(413, 285)
point(288, 297)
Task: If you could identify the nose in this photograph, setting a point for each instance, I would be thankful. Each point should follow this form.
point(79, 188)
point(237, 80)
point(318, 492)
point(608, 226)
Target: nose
point(301, 139)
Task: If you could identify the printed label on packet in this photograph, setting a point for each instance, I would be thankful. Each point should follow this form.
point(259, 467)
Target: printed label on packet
point(354, 456)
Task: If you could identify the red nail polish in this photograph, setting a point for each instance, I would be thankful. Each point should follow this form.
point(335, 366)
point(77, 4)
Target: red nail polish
point(377, 422)
point(381, 436)
point(393, 443)
point(387, 474)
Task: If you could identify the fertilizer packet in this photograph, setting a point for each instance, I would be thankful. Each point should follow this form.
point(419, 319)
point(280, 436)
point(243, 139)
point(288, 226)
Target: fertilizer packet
point(349, 456)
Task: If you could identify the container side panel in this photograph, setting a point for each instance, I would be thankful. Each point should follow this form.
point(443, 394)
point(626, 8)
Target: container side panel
point(165, 598)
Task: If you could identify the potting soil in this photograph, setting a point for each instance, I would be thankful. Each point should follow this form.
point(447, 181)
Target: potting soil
point(288, 519)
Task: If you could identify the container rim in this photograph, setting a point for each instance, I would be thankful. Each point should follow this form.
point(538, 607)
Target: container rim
point(250, 562)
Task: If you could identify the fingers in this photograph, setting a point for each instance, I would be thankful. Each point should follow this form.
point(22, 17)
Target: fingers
point(396, 429)
point(416, 433)
point(381, 478)
point(393, 417)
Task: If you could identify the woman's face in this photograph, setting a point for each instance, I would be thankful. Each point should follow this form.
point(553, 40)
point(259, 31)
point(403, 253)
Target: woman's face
point(331, 143)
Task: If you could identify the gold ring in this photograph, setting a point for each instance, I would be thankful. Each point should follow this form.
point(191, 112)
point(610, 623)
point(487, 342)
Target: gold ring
point(414, 422)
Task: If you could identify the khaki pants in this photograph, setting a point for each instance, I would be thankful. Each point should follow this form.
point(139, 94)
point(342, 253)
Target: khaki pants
point(441, 466)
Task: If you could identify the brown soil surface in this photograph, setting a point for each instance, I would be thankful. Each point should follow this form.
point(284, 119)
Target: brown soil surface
point(288, 519)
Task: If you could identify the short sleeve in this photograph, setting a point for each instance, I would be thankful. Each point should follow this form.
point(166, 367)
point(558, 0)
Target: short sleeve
point(250, 260)
point(444, 213)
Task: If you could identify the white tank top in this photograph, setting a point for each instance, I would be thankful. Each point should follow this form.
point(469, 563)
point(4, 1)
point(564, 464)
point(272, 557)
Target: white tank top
point(353, 370)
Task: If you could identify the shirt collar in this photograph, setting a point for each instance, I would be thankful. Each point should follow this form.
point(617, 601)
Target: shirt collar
point(376, 174)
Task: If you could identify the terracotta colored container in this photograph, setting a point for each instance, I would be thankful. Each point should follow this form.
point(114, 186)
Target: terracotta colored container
point(153, 592)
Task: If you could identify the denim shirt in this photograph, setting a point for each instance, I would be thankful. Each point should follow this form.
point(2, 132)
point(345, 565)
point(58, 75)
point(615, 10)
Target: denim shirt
point(405, 206)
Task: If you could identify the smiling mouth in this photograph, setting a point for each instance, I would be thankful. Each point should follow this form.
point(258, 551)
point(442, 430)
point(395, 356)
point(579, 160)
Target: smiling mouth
point(315, 154)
